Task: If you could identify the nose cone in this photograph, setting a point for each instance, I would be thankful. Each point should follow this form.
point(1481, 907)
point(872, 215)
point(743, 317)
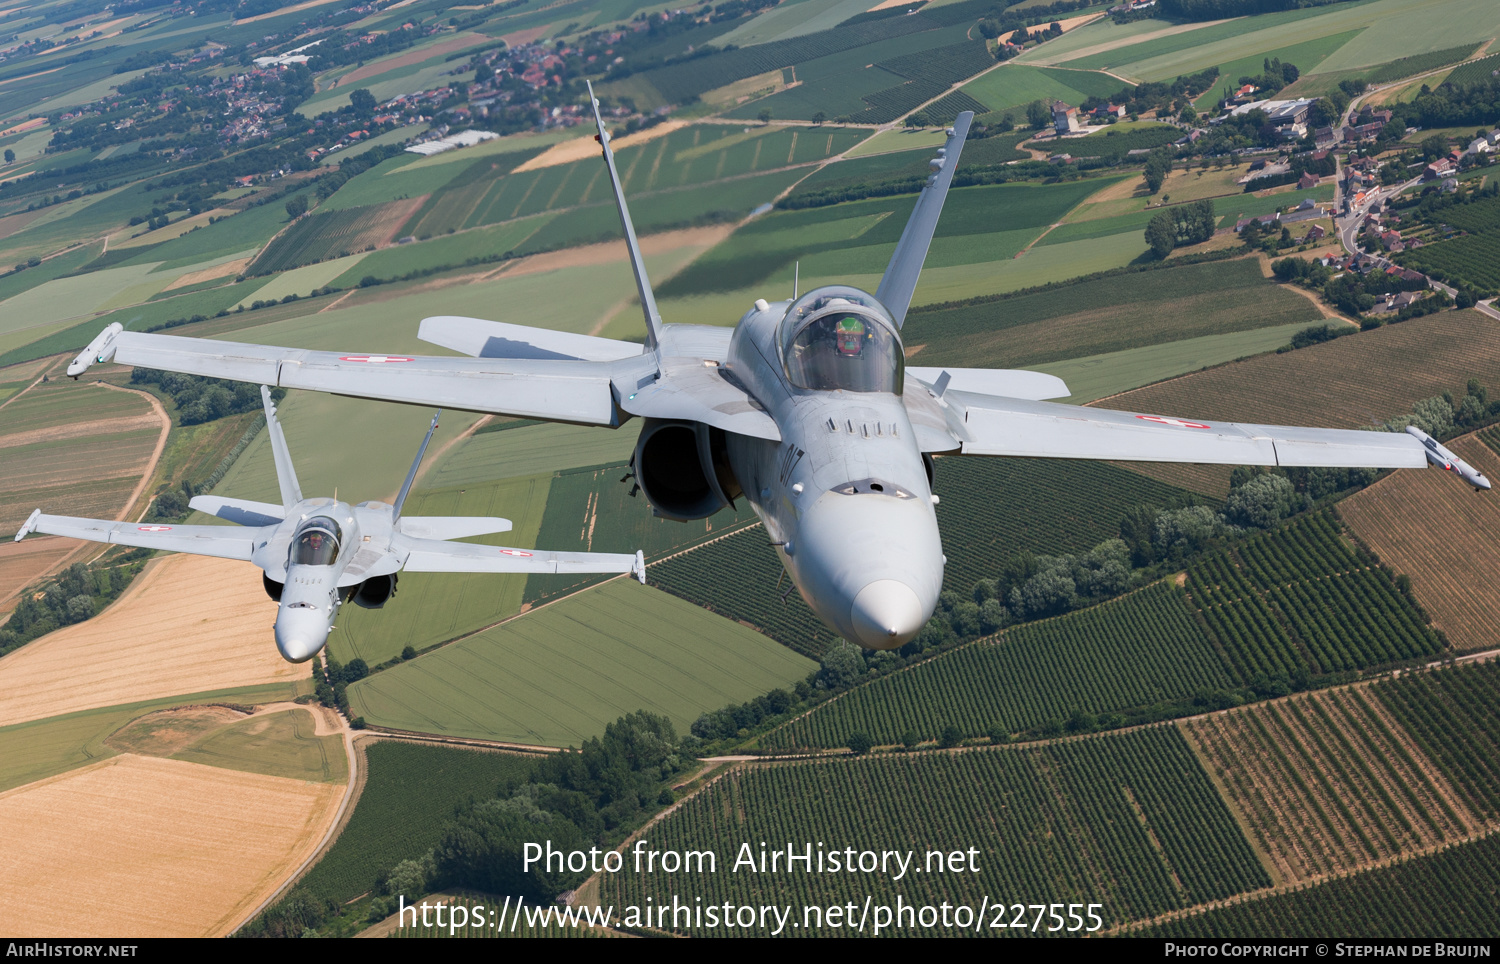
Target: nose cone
point(300, 632)
point(887, 614)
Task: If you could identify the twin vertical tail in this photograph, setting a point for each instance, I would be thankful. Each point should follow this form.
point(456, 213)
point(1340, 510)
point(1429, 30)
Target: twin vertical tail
point(637, 263)
point(900, 280)
point(286, 476)
point(416, 464)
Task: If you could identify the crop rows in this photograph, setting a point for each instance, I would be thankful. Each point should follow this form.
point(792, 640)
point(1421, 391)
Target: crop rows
point(590, 510)
point(1479, 71)
point(741, 578)
point(1128, 821)
point(1472, 259)
point(943, 65)
point(1137, 651)
point(944, 111)
point(1329, 782)
point(1476, 217)
point(1453, 716)
point(993, 509)
point(1419, 523)
point(1298, 598)
point(888, 104)
point(678, 82)
point(1419, 64)
point(1450, 893)
point(328, 234)
point(410, 791)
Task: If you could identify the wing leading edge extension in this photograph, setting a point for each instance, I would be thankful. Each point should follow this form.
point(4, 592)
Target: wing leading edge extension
point(1021, 427)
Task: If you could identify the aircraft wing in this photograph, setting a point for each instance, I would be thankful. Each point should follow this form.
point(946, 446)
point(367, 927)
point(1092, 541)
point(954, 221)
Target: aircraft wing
point(1021, 427)
point(430, 555)
point(219, 541)
point(551, 389)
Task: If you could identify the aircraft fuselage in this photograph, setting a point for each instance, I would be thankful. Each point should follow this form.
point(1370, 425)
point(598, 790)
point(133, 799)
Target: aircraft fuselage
point(844, 496)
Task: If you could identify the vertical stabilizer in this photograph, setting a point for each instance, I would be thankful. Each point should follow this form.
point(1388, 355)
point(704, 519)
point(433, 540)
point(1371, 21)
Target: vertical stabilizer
point(416, 464)
point(637, 264)
point(900, 280)
point(286, 476)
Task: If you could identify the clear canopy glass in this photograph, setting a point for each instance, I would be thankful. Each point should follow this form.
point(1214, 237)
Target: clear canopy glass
point(316, 543)
point(839, 338)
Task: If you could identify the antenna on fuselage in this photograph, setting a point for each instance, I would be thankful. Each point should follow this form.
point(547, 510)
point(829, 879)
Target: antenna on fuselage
point(796, 273)
point(412, 475)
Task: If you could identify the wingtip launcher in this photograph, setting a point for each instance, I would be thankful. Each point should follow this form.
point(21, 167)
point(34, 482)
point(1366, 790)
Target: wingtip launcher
point(29, 526)
point(101, 349)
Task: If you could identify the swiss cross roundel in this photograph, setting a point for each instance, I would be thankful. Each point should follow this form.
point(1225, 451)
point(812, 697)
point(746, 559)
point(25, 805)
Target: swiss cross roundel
point(1179, 423)
point(154, 528)
point(375, 359)
point(513, 552)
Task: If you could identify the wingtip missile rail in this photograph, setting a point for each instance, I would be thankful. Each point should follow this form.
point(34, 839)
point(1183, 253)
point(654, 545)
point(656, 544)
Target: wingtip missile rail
point(101, 349)
point(29, 526)
point(1443, 457)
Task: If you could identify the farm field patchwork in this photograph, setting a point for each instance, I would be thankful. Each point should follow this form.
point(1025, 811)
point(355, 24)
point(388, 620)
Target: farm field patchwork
point(628, 647)
point(410, 790)
point(1394, 901)
point(211, 615)
point(1298, 600)
point(1016, 85)
point(1099, 660)
point(433, 607)
point(42, 748)
point(1329, 384)
point(1100, 376)
point(1129, 820)
point(217, 842)
point(282, 744)
point(1419, 523)
point(591, 510)
point(1107, 315)
point(325, 235)
point(1329, 782)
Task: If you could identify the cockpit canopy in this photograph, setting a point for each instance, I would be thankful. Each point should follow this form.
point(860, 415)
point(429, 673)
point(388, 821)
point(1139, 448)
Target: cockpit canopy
point(316, 543)
point(839, 338)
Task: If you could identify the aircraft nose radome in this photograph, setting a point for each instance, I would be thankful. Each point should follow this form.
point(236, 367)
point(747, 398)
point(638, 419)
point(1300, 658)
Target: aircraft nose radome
point(887, 614)
point(300, 634)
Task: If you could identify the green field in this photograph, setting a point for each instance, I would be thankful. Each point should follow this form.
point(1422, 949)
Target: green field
point(532, 450)
point(280, 745)
point(1452, 717)
point(1298, 599)
point(1099, 376)
point(1107, 315)
point(988, 514)
point(591, 510)
point(441, 252)
point(39, 749)
point(433, 607)
point(1383, 30)
point(303, 281)
point(1447, 894)
point(410, 791)
point(1014, 85)
point(1128, 821)
point(1109, 659)
point(558, 675)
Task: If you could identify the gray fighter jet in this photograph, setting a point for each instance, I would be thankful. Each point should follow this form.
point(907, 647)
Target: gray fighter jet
point(805, 408)
point(319, 553)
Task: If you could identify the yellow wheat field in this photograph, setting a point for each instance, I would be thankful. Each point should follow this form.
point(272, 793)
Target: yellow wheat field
point(187, 625)
point(142, 846)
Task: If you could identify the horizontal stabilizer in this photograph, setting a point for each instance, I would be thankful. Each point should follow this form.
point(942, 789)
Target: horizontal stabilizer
point(450, 527)
point(496, 339)
point(1007, 383)
point(239, 511)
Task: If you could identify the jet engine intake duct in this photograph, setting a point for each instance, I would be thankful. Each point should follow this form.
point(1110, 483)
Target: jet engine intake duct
point(375, 591)
point(273, 588)
point(676, 467)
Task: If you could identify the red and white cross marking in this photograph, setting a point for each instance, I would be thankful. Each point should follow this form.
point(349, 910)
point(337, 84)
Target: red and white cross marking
point(155, 528)
point(1172, 421)
point(513, 552)
point(375, 359)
